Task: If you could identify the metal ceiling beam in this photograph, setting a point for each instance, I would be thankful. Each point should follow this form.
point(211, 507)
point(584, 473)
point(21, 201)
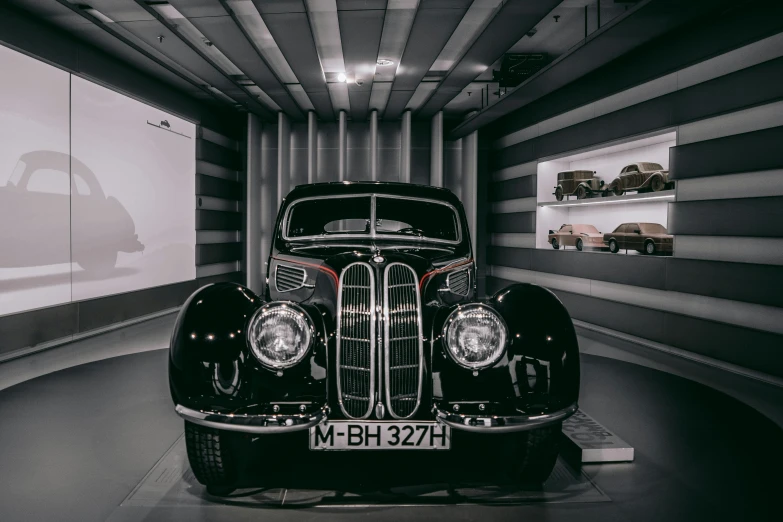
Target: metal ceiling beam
point(251, 102)
point(514, 19)
point(360, 32)
point(648, 20)
point(108, 28)
point(288, 23)
point(224, 31)
point(434, 24)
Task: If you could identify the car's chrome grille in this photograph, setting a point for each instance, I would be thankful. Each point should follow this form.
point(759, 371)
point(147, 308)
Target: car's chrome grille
point(403, 345)
point(459, 282)
point(356, 341)
point(288, 278)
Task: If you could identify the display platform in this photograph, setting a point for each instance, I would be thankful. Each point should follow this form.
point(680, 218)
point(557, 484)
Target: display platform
point(76, 443)
point(171, 484)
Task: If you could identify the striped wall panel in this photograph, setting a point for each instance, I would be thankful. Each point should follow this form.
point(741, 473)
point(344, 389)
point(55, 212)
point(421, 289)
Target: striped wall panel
point(746, 347)
point(719, 295)
point(694, 50)
point(219, 204)
point(749, 283)
point(746, 152)
point(724, 94)
point(750, 217)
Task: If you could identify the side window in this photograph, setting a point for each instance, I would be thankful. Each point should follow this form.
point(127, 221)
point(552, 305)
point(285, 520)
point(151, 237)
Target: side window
point(49, 181)
point(632, 168)
point(81, 186)
point(623, 229)
point(567, 229)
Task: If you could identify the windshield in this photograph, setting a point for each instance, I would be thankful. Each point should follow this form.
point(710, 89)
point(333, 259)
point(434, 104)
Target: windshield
point(394, 217)
point(650, 166)
point(652, 228)
point(321, 217)
point(15, 175)
point(586, 229)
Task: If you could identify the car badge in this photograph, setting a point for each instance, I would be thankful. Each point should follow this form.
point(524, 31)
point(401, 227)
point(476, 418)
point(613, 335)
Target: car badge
point(378, 259)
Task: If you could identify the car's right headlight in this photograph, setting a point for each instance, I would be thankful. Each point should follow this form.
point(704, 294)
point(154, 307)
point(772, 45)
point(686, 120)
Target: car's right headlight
point(475, 336)
point(280, 334)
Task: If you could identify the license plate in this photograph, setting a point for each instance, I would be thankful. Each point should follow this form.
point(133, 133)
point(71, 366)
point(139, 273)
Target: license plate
point(358, 435)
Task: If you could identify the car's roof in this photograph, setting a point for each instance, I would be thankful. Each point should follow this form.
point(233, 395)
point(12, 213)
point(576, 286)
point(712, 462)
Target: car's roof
point(337, 188)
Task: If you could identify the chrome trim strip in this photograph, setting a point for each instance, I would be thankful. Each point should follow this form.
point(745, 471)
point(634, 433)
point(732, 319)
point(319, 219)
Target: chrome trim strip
point(498, 424)
point(371, 308)
point(386, 337)
point(458, 225)
point(304, 278)
point(254, 423)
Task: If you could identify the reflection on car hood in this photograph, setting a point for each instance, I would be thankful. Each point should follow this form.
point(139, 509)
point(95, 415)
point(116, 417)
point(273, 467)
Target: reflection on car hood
point(422, 258)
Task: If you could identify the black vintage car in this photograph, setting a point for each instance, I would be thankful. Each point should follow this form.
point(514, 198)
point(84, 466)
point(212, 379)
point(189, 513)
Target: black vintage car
point(370, 336)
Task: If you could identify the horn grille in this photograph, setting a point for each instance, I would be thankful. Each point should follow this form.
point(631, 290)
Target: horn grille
point(403, 345)
point(356, 341)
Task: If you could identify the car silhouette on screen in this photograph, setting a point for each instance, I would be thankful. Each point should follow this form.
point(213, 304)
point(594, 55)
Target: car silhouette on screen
point(37, 196)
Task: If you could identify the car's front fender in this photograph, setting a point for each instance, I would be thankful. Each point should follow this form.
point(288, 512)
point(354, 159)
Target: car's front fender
point(211, 367)
point(539, 372)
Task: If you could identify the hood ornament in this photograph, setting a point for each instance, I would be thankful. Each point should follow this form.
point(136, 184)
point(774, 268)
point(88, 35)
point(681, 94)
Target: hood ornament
point(378, 259)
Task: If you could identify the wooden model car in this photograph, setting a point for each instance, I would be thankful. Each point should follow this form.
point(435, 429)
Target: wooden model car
point(370, 336)
point(580, 236)
point(648, 238)
point(641, 177)
point(579, 183)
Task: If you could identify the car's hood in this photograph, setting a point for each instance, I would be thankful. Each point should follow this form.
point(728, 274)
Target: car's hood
point(419, 256)
point(423, 258)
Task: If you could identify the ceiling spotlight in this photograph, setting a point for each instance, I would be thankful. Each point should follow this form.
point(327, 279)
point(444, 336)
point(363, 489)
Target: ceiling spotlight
point(383, 62)
point(341, 77)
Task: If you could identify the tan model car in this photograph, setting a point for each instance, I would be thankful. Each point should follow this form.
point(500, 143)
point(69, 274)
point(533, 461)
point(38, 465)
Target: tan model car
point(580, 236)
point(647, 238)
point(579, 183)
point(641, 177)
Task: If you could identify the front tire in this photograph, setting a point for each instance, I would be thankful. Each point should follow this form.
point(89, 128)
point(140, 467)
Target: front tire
point(657, 184)
point(649, 248)
point(212, 457)
point(555, 244)
point(537, 454)
point(559, 194)
point(613, 247)
point(579, 245)
point(581, 192)
point(617, 190)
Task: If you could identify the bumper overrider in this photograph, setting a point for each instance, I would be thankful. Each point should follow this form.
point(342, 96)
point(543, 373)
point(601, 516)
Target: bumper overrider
point(282, 423)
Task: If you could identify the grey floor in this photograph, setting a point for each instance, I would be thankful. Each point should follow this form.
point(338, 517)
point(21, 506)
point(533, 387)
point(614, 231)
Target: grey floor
point(75, 443)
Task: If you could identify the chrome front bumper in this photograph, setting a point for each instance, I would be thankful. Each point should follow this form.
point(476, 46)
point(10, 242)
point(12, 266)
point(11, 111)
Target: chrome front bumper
point(501, 424)
point(259, 424)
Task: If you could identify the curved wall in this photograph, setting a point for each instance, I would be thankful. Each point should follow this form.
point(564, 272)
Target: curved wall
point(718, 297)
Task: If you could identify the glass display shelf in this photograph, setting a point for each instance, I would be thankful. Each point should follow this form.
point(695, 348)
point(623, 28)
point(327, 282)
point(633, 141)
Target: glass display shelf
point(664, 195)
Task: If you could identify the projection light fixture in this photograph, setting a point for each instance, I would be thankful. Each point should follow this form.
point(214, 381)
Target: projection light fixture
point(383, 62)
point(341, 77)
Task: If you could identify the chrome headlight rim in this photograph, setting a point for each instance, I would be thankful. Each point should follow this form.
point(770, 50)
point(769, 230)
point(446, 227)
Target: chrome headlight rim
point(266, 310)
point(489, 363)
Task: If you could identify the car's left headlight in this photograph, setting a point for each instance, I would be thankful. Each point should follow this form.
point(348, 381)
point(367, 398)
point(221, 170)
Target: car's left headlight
point(475, 336)
point(280, 334)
